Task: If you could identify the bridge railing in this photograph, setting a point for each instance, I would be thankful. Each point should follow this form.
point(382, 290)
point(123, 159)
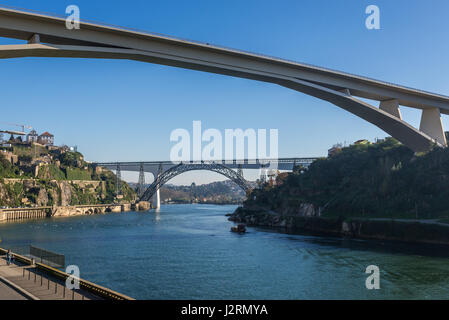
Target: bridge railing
point(224, 161)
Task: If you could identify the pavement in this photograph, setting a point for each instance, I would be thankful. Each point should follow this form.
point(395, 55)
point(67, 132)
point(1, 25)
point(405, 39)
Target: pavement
point(29, 283)
point(8, 293)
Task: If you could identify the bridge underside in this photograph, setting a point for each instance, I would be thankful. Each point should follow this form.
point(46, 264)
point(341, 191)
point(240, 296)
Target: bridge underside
point(48, 37)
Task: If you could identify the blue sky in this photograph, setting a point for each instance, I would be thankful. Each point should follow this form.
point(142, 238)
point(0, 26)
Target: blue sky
point(125, 110)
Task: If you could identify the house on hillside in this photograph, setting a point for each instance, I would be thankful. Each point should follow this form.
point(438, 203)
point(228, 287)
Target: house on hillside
point(362, 142)
point(334, 150)
point(47, 139)
point(32, 136)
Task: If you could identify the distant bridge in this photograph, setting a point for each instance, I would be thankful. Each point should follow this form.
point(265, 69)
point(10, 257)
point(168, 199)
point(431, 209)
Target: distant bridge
point(47, 36)
point(163, 171)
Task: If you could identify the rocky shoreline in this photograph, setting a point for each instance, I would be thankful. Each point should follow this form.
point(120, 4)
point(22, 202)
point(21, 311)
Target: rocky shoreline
point(308, 219)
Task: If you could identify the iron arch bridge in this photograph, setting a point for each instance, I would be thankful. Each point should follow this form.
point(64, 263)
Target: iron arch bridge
point(163, 171)
point(184, 167)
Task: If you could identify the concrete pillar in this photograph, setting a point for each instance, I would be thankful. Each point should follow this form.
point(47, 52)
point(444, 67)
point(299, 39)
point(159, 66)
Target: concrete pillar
point(157, 196)
point(346, 92)
point(35, 38)
point(157, 199)
point(392, 107)
point(432, 126)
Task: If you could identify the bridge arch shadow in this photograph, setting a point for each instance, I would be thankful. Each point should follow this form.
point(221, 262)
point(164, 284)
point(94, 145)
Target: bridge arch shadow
point(169, 174)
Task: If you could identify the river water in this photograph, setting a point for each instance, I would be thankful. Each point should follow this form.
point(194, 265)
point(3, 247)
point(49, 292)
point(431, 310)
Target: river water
point(188, 252)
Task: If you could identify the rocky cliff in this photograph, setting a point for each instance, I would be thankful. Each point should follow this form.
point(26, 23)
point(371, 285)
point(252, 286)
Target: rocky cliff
point(55, 177)
point(308, 219)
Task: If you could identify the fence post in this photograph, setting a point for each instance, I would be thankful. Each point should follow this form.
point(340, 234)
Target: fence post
point(48, 287)
point(73, 294)
point(41, 280)
point(56, 287)
point(63, 293)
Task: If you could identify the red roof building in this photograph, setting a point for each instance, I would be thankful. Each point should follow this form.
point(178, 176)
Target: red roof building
point(46, 139)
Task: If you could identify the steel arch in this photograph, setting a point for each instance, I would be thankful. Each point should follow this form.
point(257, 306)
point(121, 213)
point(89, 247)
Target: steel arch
point(184, 167)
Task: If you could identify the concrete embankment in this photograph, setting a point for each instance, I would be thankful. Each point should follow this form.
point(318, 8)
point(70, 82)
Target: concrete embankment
point(39, 281)
point(412, 231)
point(14, 214)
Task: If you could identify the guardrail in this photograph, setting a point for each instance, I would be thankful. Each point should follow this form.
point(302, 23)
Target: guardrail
point(84, 284)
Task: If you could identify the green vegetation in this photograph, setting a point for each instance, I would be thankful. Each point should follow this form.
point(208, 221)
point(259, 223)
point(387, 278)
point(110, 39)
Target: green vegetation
point(385, 179)
point(110, 183)
point(52, 177)
point(6, 169)
point(223, 192)
point(34, 151)
point(78, 174)
point(80, 196)
point(71, 159)
point(51, 171)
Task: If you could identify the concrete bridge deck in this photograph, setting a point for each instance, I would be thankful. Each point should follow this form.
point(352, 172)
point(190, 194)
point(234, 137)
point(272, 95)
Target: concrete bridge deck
point(47, 36)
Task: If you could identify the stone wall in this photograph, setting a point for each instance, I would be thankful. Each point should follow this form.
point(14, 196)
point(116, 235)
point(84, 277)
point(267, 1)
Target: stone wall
point(66, 211)
point(11, 214)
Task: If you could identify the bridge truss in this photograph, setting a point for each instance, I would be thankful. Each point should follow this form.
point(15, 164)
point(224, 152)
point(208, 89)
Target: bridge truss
point(184, 167)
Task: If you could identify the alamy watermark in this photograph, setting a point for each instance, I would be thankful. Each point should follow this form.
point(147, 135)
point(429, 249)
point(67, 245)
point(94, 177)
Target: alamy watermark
point(373, 280)
point(73, 280)
point(73, 19)
point(373, 20)
point(209, 145)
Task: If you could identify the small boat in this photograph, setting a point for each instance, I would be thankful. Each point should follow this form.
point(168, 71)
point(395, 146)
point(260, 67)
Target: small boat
point(240, 228)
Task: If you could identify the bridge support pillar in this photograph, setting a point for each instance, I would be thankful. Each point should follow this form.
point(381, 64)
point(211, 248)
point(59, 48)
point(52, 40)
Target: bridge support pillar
point(392, 107)
point(431, 125)
point(35, 38)
point(157, 196)
point(118, 186)
point(263, 174)
point(141, 184)
point(157, 200)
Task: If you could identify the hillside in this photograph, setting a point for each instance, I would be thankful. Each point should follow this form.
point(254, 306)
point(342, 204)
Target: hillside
point(380, 180)
point(221, 192)
point(36, 175)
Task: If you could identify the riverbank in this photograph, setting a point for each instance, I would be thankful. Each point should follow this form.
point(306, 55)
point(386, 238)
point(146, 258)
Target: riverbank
point(188, 252)
point(411, 231)
point(14, 214)
point(205, 202)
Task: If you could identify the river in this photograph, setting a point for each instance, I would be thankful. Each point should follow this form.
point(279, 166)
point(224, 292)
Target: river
point(188, 252)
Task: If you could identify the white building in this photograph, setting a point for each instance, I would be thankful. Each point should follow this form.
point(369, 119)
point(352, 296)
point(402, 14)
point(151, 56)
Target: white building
point(32, 136)
point(46, 139)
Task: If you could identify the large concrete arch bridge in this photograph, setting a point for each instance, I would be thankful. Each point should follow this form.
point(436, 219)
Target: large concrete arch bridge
point(47, 36)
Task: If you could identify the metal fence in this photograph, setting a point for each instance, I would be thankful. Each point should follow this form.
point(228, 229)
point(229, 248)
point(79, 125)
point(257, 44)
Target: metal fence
point(52, 259)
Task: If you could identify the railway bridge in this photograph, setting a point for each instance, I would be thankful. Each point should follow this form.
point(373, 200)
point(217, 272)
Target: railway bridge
point(163, 171)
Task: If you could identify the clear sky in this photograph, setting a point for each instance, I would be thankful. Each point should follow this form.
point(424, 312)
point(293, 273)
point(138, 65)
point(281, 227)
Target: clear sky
point(124, 110)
